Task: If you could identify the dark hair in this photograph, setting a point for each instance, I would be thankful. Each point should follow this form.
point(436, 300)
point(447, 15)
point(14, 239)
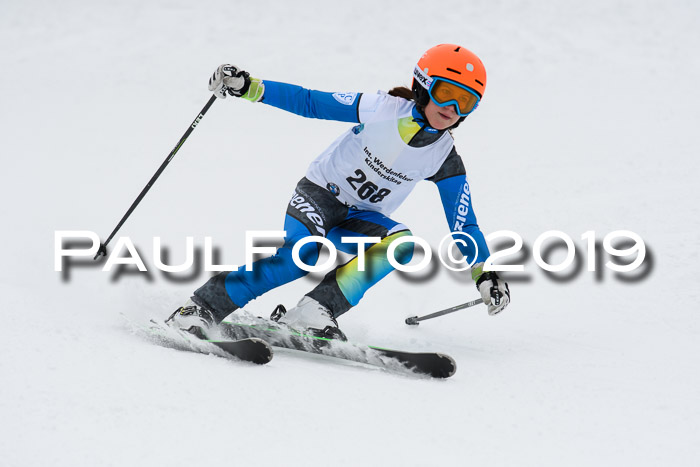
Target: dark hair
point(402, 91)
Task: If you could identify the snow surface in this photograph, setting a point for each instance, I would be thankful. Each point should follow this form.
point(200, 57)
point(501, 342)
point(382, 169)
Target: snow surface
point(589, 123)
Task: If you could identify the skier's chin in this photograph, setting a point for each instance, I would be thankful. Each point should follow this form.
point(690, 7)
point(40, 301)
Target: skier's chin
point(443, 124)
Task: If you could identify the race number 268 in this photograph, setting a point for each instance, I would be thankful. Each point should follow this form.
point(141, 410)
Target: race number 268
point(366, 189)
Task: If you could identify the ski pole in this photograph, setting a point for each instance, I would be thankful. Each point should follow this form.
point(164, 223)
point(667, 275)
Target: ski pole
point(103, 246)
point(415, 319)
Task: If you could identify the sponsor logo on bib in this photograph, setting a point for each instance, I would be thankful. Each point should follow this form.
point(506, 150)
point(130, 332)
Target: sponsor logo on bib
point(333, 188)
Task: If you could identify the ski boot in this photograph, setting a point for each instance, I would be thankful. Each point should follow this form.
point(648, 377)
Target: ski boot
point(311, 317)
point(192, 318)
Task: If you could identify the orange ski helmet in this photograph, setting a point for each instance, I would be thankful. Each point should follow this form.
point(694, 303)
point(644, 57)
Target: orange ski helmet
point(452, 64)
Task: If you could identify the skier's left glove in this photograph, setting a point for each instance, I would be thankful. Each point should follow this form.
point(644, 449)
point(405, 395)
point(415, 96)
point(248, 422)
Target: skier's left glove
point(231, 80)
point(494, 290)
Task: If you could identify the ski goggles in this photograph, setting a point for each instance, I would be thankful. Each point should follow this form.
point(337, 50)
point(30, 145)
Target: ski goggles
point(445, 92)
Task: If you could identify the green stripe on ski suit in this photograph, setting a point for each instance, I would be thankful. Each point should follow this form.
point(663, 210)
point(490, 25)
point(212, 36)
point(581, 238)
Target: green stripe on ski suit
point(353, 283)
point(255, 91)
point(477, 271)
point(408, 129)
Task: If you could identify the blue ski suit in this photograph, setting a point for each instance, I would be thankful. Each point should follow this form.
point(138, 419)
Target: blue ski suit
point(329, 204)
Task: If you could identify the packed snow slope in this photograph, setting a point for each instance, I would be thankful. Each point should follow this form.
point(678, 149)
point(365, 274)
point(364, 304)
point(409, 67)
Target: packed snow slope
point(589, 123)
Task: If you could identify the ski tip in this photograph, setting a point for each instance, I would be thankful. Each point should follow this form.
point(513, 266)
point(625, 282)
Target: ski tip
point(251, 349)
point(264, 351)
point(448, 370)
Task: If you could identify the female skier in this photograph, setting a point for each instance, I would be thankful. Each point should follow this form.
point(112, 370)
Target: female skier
point(351, 189)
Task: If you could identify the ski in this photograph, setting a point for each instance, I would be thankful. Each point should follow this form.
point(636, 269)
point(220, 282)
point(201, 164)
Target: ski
point(436, 365)
point(250, 349)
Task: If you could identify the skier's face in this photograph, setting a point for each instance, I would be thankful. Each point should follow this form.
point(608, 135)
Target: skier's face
point(441, 117)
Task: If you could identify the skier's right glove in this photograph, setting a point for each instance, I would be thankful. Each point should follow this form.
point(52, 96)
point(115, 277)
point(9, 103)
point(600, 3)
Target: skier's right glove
point(231, 80)
point(494, 290)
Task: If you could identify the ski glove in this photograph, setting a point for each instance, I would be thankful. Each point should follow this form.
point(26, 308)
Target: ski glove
point(494, 290)
point(229, 79)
